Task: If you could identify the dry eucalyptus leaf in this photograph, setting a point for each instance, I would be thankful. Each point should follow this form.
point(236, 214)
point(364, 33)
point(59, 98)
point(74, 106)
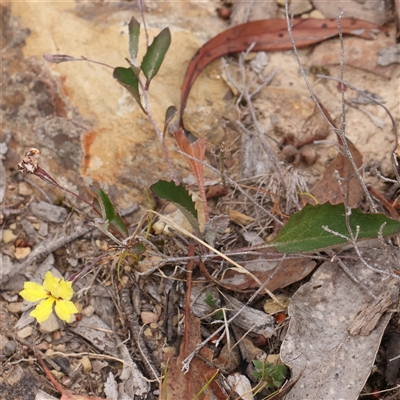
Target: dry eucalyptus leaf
point(336, 364)
point(94, 330)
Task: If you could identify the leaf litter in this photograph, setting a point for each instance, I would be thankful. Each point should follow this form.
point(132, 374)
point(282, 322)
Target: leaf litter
point(322, 312)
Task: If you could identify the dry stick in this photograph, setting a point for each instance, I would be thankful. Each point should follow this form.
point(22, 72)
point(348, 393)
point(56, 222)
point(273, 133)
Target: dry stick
point(186, 362)
point(141, 8)
point(339, 132)
point(49, 246)
point(137, 338)
point(222, 255)
point(159, 134)
point(31, 346)
point(44, 249)
point(189, 275)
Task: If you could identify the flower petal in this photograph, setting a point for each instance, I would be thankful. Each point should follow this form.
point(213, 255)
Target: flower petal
point(64, 290)
point(64, 309)
point(43, 310)
point(50, 283)
point(33, 292)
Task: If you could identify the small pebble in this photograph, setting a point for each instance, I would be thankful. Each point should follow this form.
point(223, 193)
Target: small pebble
point(316, 14)
point(15, 308)
point(8, 236)
point(9, 348)
point(25, 332)
point(56, 335)
point(43, 346)
point(60, 347)
point(50, 325)
point(148, 317)
point(21, 252)
point(88, 311)
point(24, 189)
point(148, 333)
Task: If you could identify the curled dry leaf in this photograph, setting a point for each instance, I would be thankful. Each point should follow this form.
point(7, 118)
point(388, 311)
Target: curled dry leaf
point(197, 151)
point(267, 35)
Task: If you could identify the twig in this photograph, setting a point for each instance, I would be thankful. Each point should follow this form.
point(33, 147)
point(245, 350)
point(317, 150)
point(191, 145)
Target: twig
point(339, 132)
point(44, 249)
point(135, 330)
point(376, 102)
point(186, 362)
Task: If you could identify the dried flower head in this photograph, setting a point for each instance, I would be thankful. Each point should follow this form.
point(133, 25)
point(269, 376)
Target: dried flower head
point(29, 162)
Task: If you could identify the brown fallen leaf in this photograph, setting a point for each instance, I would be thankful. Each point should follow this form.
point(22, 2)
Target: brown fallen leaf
point(180, 386)
point(196, 150)
point(177, 384)
point(281, 274)
point(327, 188)
point(267, 35)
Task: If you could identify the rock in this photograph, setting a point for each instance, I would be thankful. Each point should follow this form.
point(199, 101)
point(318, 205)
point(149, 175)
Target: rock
point(148, 317)
point(258, 10)
point(50, 325)
point(24, 189)
point(88, 311)
point(301, 7)
point(8, 236)
point(274, 359)
point(271, 307)
point(88, 137)
point(371, 10)
point(389, 55)
point(316, 14)
point(25, 332)
point(9, 348)
point(49, 212)
point(148, 333)
point(21, 252)
point(16, 307)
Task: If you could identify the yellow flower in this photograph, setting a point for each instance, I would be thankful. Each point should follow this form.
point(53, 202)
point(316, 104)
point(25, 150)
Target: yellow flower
point(53, 290)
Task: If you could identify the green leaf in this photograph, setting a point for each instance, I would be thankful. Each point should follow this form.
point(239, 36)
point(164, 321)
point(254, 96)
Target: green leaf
point(103, 203)
point(304, 233)
point(127, 78)
point(119, 225)
point(210, 300)
point(138, 248)
point(134, 32)
point(258, 365)
point(155, 54)
point(180, 197)
point(107, 208)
